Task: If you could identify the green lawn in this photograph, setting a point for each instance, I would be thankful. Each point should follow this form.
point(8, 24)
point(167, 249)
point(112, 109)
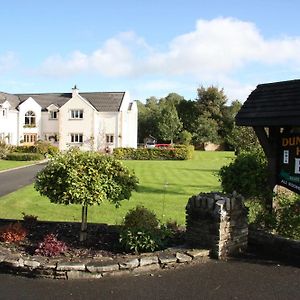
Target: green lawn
point(165, 187)
point(9, 164)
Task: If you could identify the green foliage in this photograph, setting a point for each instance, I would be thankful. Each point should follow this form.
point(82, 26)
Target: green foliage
point(41, 147)
point(85, 178)
point(45, 148)
point(284, 220)
point(141, 233)
point(243, 139)
point(185, 137)
point(139, 240)
point(175, 153)
point(4, 149)
point(24, 156)
point(247, 175)
point(169, 124)
point(288, 217)
point(142, 218)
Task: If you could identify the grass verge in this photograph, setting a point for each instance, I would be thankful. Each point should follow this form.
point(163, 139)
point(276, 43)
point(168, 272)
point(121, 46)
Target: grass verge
point(165, 187)
point(10, 164)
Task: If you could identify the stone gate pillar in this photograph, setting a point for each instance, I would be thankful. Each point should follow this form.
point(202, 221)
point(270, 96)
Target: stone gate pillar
point(217, 222)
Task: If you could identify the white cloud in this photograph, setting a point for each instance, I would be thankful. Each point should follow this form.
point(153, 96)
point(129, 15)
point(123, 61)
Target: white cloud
point(215, 48)
point(8, 61)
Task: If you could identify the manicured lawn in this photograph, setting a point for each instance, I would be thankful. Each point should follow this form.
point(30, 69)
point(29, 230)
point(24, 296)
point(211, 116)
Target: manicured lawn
point(9, 164)
point(165, 187)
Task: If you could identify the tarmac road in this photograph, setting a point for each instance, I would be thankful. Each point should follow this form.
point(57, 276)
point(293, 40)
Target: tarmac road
point(212, 280)
point(12, 180)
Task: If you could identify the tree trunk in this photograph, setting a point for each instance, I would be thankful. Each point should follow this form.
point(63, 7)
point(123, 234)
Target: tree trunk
point(83, 230)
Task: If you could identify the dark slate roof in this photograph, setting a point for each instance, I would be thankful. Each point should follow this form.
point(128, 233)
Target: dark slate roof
point(102, 101)
point(272, 104)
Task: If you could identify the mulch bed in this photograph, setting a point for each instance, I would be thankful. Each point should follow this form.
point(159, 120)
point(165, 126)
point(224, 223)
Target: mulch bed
point(102, 240)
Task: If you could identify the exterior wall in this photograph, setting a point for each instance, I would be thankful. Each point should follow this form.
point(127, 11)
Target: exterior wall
point(83, 126)
point(29, 105)
point(9, 125)
point(129, 127)
point(108, 125)
point(101, 131)
point(50, 126)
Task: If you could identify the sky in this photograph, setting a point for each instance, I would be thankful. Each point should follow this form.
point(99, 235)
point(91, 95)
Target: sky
point(149, 48)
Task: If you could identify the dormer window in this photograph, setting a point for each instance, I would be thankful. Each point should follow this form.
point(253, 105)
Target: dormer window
point(30, 119)
point(76, 114)
point(53, 114)
point(3, 113)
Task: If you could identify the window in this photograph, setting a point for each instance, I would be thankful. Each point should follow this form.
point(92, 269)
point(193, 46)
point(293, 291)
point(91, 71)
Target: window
point(3, 113)
point(109, 138)
point(76, 138)
point(76, 114)
point(30, 119)
point(53, 114)
point(30, 138)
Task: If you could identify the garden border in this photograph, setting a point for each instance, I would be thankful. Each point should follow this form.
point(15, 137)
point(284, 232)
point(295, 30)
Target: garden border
point(40, 267)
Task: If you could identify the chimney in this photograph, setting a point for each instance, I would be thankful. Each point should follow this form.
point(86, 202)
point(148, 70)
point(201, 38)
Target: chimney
point(74, 91)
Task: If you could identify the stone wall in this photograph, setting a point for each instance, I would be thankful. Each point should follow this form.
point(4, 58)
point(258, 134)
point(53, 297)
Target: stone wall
point(217, 222)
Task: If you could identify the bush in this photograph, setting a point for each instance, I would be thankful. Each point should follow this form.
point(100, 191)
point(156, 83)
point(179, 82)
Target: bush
point(247, 175)
point(179, 152)
point(288, 216)
point(139, 240)
point(13, 232)
point(24, 156)
point(29, 220)
point(141, 218)
point(45, 148)
point(51, 246)
point(4, 150)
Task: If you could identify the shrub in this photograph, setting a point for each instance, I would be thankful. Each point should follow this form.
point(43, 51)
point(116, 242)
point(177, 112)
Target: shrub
point(142, 233)
point(45, 148)
point(288, 217)
point(142, 218)
point(139, 240)
point(178, 152)
point(51, 246)
point(4, 149)
point(247, 175)
point(24, 156)
point(13, 232)
point(29, 220)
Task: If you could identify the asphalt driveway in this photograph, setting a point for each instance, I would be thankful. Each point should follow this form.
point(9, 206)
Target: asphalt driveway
point(12, 180)
point(213, 280)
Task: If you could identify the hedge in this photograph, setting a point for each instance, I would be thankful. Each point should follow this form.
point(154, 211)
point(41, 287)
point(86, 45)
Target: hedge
point(24, 156)
point(179, 152)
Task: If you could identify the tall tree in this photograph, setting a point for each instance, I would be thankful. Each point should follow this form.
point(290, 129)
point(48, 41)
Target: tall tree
point(169, 124)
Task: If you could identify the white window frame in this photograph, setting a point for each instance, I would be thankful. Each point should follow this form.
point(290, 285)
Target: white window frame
point(76, 138)
point(30, 118)
point(76, 114)
point(53, 115)
point(110, 138)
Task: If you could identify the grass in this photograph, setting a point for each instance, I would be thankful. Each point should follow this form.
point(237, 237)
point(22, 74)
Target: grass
point(165, 187)
point(9, 164)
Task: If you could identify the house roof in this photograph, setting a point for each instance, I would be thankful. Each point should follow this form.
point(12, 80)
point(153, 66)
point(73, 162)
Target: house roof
point(102, 101)
point(272, 104)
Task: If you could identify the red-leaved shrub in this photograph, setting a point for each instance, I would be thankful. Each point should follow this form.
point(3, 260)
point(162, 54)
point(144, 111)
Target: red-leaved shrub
point(51, 246)
point(13, 232)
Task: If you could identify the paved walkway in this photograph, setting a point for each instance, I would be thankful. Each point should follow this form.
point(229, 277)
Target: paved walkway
point(12, 180)
point(213, 280)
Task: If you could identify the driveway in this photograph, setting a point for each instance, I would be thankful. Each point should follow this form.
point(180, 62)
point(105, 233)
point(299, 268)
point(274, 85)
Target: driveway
point(12, 180)
point(212, 280)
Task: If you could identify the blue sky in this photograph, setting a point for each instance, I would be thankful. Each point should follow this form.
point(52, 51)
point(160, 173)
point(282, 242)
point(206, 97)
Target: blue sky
point(150, 48)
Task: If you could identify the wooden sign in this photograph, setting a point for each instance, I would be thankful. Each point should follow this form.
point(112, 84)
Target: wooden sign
point(289, 162)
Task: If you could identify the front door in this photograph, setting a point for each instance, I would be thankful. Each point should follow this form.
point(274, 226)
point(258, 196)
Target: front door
point(29, 139)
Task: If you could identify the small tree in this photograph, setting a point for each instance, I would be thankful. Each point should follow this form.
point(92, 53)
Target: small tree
point(85, 178)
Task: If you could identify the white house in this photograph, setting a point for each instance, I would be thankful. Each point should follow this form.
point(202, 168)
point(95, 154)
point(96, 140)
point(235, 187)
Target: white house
point(91, 121)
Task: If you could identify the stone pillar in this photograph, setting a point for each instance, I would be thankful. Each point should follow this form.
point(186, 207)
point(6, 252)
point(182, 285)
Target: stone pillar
point(217, 222)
